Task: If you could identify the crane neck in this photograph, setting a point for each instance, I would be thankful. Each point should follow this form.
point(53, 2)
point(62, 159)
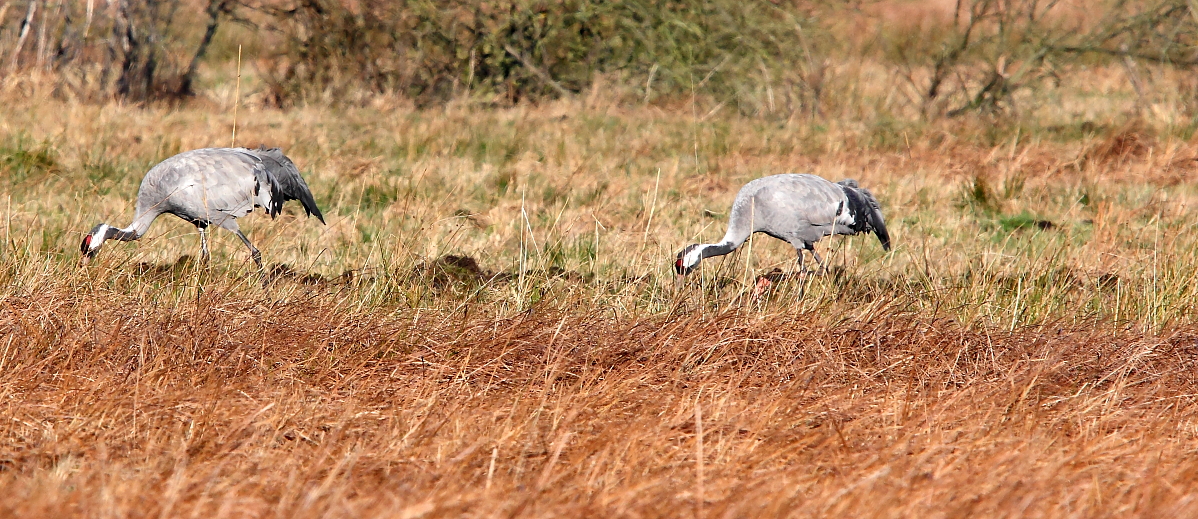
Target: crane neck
point(127, 234)
point(718, 249)
point(135, 230)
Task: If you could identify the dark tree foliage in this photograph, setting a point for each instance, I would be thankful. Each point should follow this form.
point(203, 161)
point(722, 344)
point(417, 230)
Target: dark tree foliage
point(749, 54)
point(431, 50)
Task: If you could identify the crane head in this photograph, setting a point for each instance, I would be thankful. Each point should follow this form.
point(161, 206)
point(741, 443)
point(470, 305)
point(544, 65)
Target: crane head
point(92, 242)
point(687, 260)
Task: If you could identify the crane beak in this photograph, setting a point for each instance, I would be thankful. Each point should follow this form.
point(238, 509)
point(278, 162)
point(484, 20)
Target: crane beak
point(84, 260)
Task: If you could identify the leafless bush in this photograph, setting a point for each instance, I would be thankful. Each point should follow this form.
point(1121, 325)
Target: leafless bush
point(518, 50)
point(122, 48)
point(757, 56)
point(992, 49)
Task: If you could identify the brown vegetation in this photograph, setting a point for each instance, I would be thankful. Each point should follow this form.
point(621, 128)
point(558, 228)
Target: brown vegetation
point(489, 324)
point(224, 406)
point(989, 366)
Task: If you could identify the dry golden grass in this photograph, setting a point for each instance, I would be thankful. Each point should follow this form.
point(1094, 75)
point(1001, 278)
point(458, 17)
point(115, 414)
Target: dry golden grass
point(986, 366)
point(226, 406)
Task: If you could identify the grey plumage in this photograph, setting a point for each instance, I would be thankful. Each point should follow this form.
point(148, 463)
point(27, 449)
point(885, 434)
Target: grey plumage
point(799, 209)
point(212, 186)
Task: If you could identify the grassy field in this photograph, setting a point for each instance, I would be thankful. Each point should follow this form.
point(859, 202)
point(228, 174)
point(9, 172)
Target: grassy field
point(1027, 348)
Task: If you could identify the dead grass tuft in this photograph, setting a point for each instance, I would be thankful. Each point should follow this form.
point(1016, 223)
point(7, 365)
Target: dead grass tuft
point(1128, 142)
point(305, 408)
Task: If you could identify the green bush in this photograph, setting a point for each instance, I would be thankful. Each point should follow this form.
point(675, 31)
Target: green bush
point(515, 50)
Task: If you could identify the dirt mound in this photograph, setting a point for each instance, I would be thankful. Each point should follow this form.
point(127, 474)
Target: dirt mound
point(1127, 142)
point(183, 264)
point(284, 271)
point(451, 270)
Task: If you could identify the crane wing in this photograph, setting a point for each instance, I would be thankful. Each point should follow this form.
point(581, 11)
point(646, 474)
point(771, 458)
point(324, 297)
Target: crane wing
point(875, 219)
point(204, 185)
point(280, 174)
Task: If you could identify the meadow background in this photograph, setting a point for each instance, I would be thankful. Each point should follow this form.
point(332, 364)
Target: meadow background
point(489, 324)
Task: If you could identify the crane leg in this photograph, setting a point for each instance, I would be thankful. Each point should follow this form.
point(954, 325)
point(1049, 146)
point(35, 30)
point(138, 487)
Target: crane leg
point(799, 246)
point(253, 250)
point(203, 244)
point(818, 260)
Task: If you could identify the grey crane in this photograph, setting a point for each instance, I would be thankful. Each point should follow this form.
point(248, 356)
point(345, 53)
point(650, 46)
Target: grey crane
point(211, 186)
point(799, 209)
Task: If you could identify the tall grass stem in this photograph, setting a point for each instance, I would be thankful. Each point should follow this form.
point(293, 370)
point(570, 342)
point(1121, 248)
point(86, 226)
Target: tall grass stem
point(236, 99)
